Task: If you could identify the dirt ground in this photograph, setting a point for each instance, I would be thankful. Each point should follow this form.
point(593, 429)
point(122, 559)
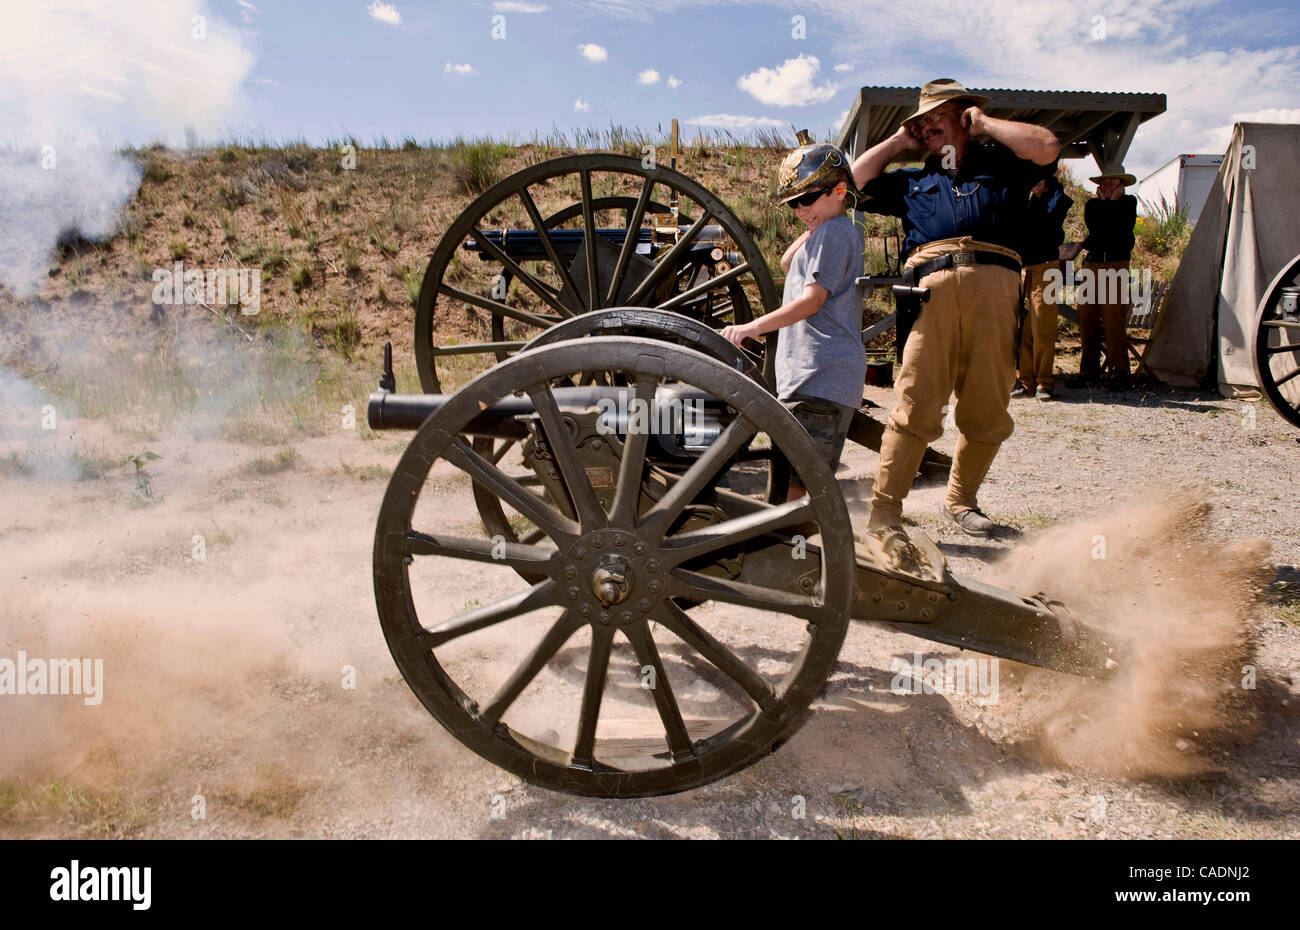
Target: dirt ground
point(226, 679)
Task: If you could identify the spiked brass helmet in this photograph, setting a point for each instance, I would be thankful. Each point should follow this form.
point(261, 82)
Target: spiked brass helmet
point(813, 166)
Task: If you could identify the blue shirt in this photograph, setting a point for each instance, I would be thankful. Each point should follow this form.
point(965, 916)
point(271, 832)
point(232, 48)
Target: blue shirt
point(822, 355)
point(985, 199)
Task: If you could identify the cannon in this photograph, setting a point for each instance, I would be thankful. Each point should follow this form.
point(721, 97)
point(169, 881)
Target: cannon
point(1277, 342)
point(642, 610)
point(659, 240)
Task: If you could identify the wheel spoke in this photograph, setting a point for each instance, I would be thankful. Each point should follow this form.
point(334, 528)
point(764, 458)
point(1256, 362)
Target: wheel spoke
point(1278, 382)
point(589, 242)
point(687, 546)
point(668, 261)
point(629, 241)
point(515, 269)
point(554, 524)
point(705, 469)
point(542, 653)
point(602, 637)
point(1291, 347)
point(627, 497)
point(679, 741)
point(696, 587)
point(587, 506)
point(495, 306)
point(717, 655)
point(704, 287)
point(539, 595)
point(499, 452)
point(515, 555)
point(535, 217)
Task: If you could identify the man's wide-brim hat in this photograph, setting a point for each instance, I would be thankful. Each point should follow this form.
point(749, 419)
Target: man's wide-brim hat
point(1119, 174)
point(935, 94)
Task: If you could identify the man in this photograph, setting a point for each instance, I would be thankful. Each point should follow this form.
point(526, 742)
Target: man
point(1110, 216)
point(1041, 240)
point(961, 216)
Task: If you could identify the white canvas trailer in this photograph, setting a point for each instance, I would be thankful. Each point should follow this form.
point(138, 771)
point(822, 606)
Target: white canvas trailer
point(1184, 181)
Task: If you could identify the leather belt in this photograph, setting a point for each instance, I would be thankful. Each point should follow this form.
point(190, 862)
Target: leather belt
point(958, 259)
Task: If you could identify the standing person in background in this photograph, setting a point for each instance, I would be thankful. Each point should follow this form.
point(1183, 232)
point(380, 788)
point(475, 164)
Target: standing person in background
point(1110, 216)
point(1040, 251)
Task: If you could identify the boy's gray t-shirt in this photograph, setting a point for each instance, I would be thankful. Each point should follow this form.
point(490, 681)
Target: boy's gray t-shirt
point(822, 355)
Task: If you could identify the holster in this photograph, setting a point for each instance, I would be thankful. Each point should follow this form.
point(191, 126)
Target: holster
point(907, 309)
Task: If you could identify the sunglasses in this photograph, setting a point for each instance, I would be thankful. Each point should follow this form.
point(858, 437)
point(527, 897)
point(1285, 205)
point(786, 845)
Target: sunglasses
point(807, 200)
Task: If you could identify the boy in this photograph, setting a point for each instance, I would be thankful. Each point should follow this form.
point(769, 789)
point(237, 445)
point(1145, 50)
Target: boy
point(820, 361)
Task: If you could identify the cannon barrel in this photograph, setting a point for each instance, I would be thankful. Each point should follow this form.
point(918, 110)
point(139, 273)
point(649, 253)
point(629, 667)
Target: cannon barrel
point(526, 244)
point(675, 411)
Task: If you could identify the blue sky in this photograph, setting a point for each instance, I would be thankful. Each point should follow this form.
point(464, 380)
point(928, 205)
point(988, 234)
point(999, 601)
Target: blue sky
point(137, 70)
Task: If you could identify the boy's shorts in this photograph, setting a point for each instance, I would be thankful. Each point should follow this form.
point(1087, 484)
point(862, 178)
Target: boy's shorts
point(824, 420)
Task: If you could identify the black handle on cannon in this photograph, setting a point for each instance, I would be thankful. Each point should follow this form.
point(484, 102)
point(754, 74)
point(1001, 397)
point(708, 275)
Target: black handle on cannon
point(387, 381)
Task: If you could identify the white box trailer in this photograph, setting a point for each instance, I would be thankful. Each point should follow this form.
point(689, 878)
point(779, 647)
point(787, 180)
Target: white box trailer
point(1184, 181)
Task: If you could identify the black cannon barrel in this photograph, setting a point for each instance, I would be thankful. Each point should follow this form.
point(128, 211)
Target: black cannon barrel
point(676, 411)
point(526, 244)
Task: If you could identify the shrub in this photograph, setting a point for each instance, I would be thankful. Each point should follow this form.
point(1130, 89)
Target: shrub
point(477, 165)
point(1165, 230)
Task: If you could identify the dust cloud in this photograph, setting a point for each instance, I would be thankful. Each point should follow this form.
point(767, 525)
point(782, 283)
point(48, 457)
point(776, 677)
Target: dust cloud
point(1178, 604)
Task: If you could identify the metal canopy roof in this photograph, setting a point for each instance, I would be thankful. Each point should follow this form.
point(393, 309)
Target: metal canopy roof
point(1087, 123)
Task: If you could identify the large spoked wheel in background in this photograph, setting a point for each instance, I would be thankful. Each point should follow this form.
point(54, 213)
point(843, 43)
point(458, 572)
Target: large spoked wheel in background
point(1277, 342)
point(554, 204)
point(617, 655)
point(662, 325)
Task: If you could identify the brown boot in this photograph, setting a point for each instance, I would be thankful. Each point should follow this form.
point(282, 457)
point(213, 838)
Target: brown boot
point(900, 457)
point(970, 463)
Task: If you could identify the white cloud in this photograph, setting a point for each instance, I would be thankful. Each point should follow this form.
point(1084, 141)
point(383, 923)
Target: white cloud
point(844, 66)
point(581, 105)
point(648, 76)
point(1219, 138)
point(1212, 59)
point(788, 85)
point(453, 68)
point(593, 52)
point(731, 121)
point(673, 82)
point(516, 6)
point(384, 12)
point(246, 11)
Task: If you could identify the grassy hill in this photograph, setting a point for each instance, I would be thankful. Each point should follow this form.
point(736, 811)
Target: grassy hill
point(342, 251)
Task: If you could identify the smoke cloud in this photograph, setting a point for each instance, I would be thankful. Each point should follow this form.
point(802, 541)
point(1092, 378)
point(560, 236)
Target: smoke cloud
point(82, 77)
